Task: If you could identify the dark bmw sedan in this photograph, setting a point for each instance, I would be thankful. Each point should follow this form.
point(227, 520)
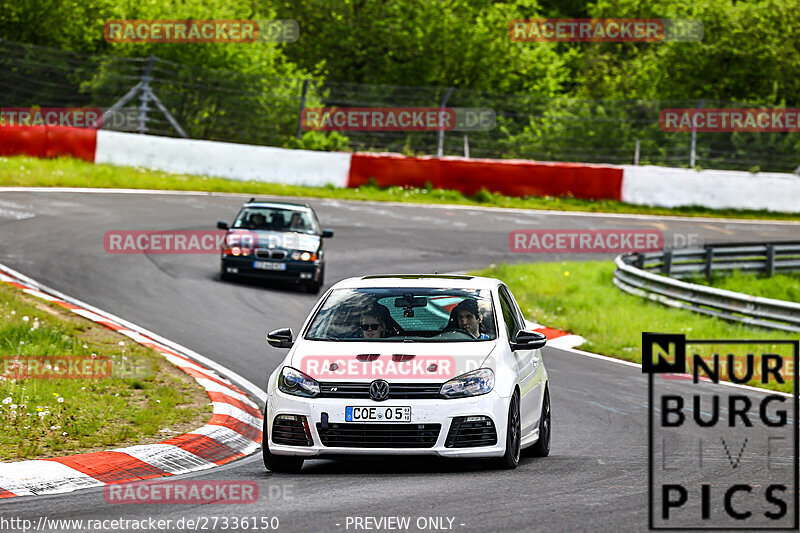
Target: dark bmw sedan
point(275, 240)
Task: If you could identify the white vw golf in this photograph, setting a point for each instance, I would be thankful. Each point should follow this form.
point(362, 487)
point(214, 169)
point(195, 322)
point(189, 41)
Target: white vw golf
point(409, 364)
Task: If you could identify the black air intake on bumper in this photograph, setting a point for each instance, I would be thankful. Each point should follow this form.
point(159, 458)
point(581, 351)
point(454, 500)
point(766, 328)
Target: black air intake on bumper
point(471, 432)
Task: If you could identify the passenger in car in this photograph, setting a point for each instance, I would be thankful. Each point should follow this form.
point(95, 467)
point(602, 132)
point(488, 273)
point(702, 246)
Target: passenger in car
point(373, 325)
point(468, 318)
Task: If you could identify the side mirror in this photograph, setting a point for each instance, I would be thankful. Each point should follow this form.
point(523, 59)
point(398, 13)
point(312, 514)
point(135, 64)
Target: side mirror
point(528, 340)
point(327, 233)
point(222, 225)
point(280, 338)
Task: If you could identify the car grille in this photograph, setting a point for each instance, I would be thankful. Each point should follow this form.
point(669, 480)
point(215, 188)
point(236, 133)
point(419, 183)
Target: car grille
point(265, 253)
point(291, 430)
point(471, 434)
point(379, 435)
point(397, 391)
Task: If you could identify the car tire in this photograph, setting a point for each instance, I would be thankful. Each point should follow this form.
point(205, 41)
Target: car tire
point(278, 463)
point(542, 446)
point(510, 459)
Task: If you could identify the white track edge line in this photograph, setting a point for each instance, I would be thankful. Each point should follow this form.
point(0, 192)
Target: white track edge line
point(549, 212)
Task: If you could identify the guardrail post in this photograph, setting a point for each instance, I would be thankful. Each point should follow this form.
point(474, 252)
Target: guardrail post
point(666, 266)
point(640, 261)
point(770, 260)
point(693, 149)
point(303, 93)
point(440, 143)
point(709, 263)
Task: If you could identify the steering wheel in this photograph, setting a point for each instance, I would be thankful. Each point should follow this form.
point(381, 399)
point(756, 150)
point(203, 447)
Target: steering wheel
point(465, 332)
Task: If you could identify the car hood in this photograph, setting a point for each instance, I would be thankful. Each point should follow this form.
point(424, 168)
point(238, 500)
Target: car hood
point(284, 240)
point(392, 361)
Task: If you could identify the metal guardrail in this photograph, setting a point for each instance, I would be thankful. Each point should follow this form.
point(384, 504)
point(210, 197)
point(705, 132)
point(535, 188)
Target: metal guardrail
point(635, 274)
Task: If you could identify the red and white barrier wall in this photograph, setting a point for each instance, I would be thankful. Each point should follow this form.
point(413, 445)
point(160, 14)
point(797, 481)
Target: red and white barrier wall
point(44, 141)
point(224, 160)
point(644, 185)
point(715, 189)
point(511, 177)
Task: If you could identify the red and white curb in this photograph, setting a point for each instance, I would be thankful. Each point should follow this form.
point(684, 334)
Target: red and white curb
point(234, 430)
point(557, 338)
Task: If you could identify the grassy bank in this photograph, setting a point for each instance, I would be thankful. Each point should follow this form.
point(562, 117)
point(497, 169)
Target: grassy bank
point(780, 286)
point(580, 297)
point(65, 172)
point(143, 399)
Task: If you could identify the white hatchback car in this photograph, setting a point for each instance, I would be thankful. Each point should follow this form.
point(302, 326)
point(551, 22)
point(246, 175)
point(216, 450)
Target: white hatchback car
point(409, 364)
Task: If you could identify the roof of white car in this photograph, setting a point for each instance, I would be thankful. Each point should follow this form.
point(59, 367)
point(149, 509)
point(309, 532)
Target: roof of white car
point(441, 281)
point(278, 204)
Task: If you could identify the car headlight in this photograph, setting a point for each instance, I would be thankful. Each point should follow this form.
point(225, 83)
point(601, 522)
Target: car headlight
point(304, 256)
point(473, 383)
point(292, 381)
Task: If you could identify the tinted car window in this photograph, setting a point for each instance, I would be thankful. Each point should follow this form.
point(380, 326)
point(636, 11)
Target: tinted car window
point(419, 315)
point(276, 219)
point(510, 314)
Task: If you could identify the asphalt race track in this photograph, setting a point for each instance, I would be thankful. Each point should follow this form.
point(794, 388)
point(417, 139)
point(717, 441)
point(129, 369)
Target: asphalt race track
point(595, 478)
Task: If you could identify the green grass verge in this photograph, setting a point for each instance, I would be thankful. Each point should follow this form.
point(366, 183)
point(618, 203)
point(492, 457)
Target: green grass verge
point(66, 172)
point(780, 286)
point(145, 400)
point(580, 297)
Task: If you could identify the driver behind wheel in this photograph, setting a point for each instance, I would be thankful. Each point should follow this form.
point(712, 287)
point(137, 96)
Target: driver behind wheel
point(469, 318)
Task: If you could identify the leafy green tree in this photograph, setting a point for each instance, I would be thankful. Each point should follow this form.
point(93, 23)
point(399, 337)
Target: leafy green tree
point(459, 43)
point(750, 52)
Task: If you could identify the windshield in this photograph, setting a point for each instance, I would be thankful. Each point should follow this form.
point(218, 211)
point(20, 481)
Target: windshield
point(405, 314)
point(276, 219)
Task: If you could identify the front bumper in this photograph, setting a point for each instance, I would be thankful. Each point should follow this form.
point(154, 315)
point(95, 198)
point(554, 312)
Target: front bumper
point(429, 411)
point(295, 270)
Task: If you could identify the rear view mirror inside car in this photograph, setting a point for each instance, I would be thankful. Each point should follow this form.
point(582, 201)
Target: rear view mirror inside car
point(411, 301)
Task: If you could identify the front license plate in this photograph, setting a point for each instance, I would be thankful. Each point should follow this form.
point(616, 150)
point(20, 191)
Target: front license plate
point(377, 414)
point(268, 265)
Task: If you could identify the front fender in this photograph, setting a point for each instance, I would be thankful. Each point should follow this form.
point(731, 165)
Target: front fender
point(505, 375)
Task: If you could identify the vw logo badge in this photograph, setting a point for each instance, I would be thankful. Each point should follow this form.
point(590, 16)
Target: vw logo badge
point(379, 390)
